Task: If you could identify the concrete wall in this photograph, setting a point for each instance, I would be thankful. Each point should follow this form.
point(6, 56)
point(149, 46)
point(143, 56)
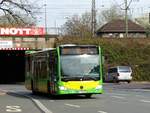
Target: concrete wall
point(122, 35)
point(33, 43)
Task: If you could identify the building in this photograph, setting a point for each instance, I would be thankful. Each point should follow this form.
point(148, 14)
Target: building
point(117, 29)
point(13, 44)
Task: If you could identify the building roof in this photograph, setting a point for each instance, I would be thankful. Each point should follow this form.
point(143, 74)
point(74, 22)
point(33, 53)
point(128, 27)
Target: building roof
point(118, 26)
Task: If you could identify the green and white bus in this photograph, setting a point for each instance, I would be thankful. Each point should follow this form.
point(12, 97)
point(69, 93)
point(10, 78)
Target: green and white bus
point(66, 69)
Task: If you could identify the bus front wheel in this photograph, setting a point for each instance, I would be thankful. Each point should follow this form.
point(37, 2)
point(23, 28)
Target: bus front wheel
point(88, 95)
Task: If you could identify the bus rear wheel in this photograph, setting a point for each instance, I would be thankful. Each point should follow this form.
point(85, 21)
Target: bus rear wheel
point(32, 88)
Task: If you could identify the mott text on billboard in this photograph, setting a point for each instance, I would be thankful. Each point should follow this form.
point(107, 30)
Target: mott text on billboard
point(22, 31)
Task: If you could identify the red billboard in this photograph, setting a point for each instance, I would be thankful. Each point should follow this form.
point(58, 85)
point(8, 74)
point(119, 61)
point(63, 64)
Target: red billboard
point(33, 31)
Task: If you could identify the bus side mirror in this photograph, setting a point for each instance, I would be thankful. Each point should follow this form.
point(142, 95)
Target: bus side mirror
point(56, 79)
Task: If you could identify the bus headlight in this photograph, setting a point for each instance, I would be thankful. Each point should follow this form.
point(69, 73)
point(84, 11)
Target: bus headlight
point(99, 87)
point(62, 88)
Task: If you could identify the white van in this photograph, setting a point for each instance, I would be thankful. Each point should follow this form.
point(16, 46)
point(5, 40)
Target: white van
point(119, 73)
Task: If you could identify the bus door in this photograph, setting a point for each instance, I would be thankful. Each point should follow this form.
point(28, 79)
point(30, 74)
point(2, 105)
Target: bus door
point(53, 73)
point(35, 76)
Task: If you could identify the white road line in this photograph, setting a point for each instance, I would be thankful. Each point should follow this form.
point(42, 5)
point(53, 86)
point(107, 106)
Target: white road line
point(120, 94)
point(146, 101)
point(51, 100)
point(146, 90)
point(140, 96)
point(119, 97)
point(102, 112)
point(37, 102)
point(72, 105)
point(41, 106)
point(12, 109)
point(2, 92)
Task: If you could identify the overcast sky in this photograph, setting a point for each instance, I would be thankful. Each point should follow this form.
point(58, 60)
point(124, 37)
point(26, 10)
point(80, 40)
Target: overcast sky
point(57, 11)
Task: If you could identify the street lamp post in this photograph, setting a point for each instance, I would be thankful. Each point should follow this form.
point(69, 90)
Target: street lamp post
point(126, 18)
point(45, 22)
point(149, 18)
point(93, 21)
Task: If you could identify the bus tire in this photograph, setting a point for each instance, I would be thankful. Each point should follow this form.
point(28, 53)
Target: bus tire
point(48, 90)
point(32, 87)
point(88, 95)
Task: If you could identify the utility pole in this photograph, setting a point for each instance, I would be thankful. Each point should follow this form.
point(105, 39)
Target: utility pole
point(149, 18)
point(126, 18)
point(93, 21)
point(45, 22)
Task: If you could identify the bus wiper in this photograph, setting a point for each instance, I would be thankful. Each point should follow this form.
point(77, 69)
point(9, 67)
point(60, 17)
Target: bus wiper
point(88, 77)
point(66, 79)
point(66, 75)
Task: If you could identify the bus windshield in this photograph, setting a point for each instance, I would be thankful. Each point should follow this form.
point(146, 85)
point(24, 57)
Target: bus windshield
point(79, 50)
point(80, 67)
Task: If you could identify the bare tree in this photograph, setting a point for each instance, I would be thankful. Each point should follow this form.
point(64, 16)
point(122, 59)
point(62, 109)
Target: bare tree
point(114, 12)
point(23, 22)
point(78, 25)
point(144, 22)
point(15, 11)
point(81, 25)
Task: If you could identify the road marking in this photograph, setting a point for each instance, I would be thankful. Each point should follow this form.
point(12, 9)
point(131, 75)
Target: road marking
point(119, 97)
point(2, 93)
point(139, 96)
point(102, 112)
point(120, 94)
point(37, 102)
point(51, 100)
point(146, 101)
point(146, 90)
point(13, 109)
point(72, 105)
point(3, 90)
point(41, 106)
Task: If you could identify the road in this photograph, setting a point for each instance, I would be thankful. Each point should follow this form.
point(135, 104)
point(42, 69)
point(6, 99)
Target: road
point(117, 98)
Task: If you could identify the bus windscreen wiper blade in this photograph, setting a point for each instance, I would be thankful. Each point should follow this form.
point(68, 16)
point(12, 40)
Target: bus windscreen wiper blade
point(89, 78)
point(71, 78)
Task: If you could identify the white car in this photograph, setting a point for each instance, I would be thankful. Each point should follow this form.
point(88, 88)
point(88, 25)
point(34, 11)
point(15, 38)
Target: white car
point(119, 73)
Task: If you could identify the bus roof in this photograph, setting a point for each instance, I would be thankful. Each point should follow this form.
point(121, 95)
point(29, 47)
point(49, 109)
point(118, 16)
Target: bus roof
point(73, 45)
point(29, 51)
point(66, 45)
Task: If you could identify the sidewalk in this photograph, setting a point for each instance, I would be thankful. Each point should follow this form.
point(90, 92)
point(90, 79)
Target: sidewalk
point(141, 82)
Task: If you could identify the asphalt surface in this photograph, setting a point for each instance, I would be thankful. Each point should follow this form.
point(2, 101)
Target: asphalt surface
point(117, 98)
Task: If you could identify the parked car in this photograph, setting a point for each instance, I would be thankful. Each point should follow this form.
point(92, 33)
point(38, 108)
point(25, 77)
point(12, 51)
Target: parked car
point(119, 73)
